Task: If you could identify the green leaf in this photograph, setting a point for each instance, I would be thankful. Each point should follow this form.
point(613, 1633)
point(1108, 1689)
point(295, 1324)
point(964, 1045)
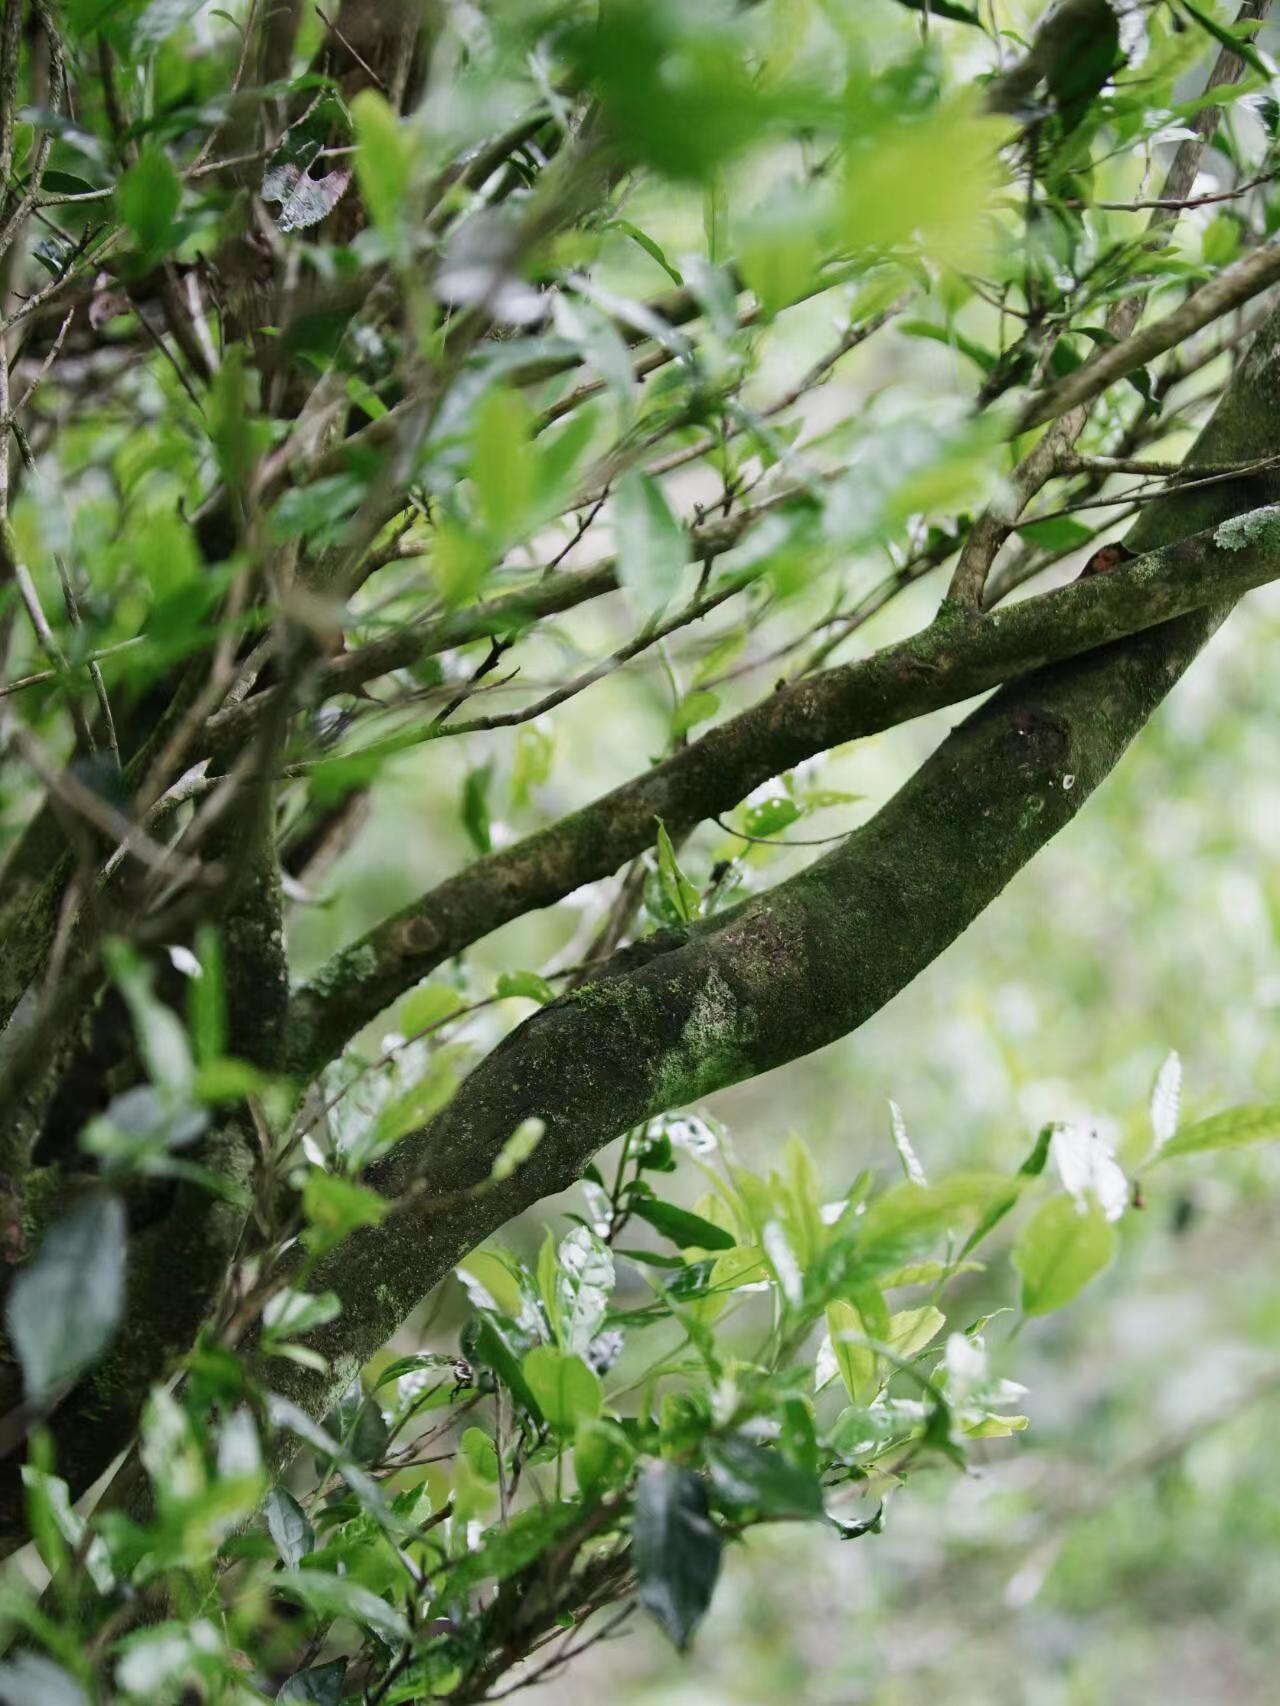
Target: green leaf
point(694, 708)
point(1031, 1168)
point(490, 1346)
point(289, 1527)
point(677, 888)
point(928, 183)
point(676, 1548)
point(461, 561)
point(782, 249)
point(505, 1551)
point(857, 1364)
point(684, 1228)
point(383, 161)
point(602, 1455)
point(749, 1477)
point(421, 1101)
point(653, 548)
point(911, 1216)
point(475, 806)
point(327, 1596)
point(771, 816)
point(1236, 40)
point(594, 334)
point(1220, 241)
point(289, 1311)
point(532, 764)
point(207, 998)
point(492, 1281)
point(566, 1390)
point(1233, 1128)
point(524, 985)
point(480, 1453)
point(426, 1007)
point(149, 196)
point(160, 20)
point(1056, 533)
point(319, 1686)
point(66, 1303)
point(548, 1267)
point(945, 9)
point(910, 1330)
point(236, 436)
point(1060, 1250)
point(162, 1040)
point(502, 462)
point(647, 243)
point(336, 1207)
point(950, 337)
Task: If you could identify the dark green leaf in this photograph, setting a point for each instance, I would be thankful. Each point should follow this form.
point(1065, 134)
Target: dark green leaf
point(489, 1342)
point(1084, 61)
point(475, 806)
point(676, 887)
point(681, 1225)
point(1056, 533)
point(750, 1477)
point(676, 1547)
point(319, 1686)
point(66, 1303)
point(504, 1551)
point(944, 9)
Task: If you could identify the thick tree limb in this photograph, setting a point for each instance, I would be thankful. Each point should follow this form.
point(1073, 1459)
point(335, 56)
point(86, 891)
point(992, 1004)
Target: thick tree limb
point(950, 661)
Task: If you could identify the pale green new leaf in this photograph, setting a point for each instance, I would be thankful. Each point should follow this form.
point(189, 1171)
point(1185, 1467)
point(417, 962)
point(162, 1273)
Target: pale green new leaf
point(1061, 1249)
point(1233, 1128)
point(653, 548)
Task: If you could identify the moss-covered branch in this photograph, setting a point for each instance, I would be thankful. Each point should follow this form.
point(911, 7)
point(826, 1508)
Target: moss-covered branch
point(948, 662)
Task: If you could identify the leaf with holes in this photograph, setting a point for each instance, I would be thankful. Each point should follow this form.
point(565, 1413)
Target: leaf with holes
point(304, 200)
